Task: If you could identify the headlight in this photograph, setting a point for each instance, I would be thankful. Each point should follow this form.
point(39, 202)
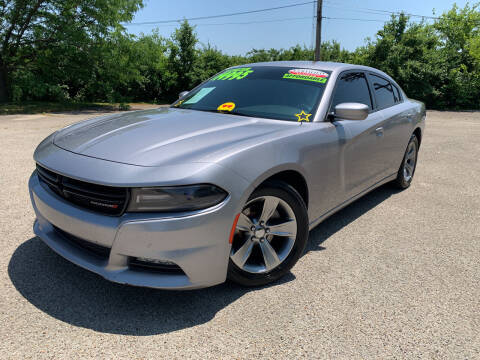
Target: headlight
point(175, 198)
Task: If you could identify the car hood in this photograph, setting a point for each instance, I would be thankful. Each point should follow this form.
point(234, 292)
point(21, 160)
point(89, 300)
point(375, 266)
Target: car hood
point(166, 136)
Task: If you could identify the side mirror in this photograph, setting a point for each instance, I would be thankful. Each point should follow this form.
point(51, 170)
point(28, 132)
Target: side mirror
point(182, 94)
point(351, 111)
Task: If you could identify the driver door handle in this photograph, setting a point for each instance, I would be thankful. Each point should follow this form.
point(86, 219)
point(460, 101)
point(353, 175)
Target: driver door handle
point(379, 131)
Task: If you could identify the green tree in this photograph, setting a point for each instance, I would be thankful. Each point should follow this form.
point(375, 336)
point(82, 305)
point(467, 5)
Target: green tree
point(404, 51)
point(330, 51)
point(209, 61)
point(182, 52)
point(294, 53)
point(151, 60)
point(437, 63)
point(458, 56)
point(30, 27)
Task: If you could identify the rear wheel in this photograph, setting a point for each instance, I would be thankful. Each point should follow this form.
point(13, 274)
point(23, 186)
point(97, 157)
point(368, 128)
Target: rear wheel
point(270, 236)
point(408, 166)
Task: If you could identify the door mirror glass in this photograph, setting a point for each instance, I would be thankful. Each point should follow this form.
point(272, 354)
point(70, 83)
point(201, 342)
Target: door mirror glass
point(351, 111)
point(182, 94)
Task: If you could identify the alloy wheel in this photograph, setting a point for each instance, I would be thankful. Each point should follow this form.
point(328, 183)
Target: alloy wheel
point(410, 159)
point(265, 234)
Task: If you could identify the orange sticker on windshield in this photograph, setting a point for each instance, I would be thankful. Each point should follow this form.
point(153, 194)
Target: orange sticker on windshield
point(228, 106)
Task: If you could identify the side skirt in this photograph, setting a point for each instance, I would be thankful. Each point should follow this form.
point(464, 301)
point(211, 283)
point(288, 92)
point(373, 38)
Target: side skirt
point(349, 201)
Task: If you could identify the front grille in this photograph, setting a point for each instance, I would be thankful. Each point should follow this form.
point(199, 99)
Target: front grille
point(94, 249)
point(99, 198)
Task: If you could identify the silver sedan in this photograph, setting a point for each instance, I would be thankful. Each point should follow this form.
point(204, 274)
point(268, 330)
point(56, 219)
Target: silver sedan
point(228, 181)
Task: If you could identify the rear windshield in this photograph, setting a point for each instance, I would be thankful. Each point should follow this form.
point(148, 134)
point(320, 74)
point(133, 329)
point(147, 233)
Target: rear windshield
point(283, 93)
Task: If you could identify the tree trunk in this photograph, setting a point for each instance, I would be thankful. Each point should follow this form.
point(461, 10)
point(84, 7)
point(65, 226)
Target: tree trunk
point(4, 96)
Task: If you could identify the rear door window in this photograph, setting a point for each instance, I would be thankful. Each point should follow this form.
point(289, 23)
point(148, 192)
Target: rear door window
point(396, 93)
point(383, 90)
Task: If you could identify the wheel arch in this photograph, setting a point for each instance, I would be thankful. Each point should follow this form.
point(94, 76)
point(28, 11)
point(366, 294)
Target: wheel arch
point(418, 133)
point(291, 175)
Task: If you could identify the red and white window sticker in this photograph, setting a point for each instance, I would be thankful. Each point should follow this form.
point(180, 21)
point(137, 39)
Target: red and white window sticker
point(317, 76)
point(308, 72)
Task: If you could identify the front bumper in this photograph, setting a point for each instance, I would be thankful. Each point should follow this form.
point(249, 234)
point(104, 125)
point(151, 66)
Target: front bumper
point(196, 242)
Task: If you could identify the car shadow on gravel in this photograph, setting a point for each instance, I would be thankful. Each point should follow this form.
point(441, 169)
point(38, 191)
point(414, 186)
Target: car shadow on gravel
point(337, 221)
point(81, 298)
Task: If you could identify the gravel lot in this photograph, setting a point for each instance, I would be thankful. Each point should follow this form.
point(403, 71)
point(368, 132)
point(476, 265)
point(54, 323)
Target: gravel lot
point(394, 275)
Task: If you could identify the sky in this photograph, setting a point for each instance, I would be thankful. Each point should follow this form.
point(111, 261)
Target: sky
point(282, 28)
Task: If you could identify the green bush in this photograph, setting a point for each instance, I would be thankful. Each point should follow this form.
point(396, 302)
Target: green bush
point(124, 107)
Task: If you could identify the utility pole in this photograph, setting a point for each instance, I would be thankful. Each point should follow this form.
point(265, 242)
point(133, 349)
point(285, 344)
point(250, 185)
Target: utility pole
point(318, 37)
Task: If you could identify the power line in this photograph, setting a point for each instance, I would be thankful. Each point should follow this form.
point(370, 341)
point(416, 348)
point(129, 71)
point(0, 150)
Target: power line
point(353, 19)
point(258, 22)
point(401, 12)
point(361, 10)
point(286, 19)
point(245, 22)
point(278, 20)
point(220, 15)
point(380, 11)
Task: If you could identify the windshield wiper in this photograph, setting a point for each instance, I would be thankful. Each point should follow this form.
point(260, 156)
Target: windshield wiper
point(235, 113)
point(223, 112)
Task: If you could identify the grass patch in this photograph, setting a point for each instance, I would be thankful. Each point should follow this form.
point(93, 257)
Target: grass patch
point(35, 107)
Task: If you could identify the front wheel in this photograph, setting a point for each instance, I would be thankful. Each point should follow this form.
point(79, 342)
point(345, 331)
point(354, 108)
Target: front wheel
point(408, 166)
point(270, 236)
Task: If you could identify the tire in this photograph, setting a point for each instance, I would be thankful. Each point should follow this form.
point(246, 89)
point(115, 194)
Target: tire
point(408, 166)
point(287, 239)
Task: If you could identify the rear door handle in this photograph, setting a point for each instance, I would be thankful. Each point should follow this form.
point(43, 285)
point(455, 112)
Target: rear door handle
point(379, 131)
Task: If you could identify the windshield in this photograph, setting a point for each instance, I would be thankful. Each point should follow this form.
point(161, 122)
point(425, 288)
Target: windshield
point(283, 93)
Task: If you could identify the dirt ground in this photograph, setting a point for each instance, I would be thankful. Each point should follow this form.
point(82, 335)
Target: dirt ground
point(394, 275)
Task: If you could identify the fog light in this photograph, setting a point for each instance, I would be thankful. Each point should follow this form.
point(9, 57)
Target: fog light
point(155, 261)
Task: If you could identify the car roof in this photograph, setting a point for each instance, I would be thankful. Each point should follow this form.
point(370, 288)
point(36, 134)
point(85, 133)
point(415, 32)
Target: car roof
point(320, 65)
